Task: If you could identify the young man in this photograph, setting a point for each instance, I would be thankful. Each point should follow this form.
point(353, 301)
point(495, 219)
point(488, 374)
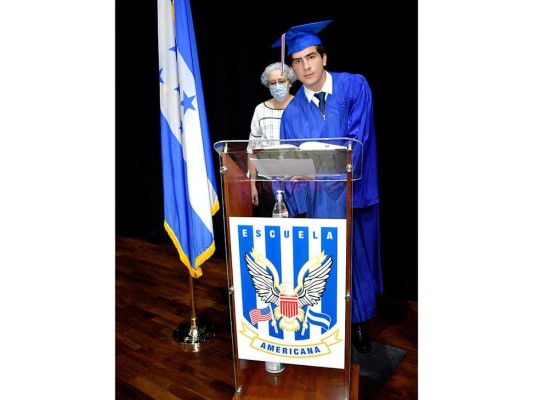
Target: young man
point(345, 110)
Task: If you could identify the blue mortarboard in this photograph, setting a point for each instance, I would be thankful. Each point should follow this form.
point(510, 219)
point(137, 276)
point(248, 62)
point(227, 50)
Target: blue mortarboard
point(300, 37)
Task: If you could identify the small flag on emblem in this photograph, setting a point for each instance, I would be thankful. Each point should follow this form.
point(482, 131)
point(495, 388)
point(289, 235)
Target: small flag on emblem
point(260, 314)
point(320, 319)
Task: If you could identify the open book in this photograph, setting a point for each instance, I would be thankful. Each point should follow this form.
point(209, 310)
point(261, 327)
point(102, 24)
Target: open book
point(307, 159)
point(302, 147)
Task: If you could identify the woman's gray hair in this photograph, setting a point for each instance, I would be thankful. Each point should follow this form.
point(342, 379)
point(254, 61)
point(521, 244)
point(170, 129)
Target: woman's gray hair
point(291, 76)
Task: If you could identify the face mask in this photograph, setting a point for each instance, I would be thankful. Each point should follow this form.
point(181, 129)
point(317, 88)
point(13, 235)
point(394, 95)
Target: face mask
point(279, 91)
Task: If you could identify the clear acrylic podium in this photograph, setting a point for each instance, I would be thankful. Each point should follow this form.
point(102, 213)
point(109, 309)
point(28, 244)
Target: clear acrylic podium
point(289, 280)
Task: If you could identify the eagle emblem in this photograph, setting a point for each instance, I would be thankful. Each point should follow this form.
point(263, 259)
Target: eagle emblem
point(289, 301)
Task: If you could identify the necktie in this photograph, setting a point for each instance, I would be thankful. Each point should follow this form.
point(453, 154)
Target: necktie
point(321, 102)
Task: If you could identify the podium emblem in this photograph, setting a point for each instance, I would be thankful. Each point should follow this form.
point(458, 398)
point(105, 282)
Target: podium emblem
point(289, 279)
point(289, 301)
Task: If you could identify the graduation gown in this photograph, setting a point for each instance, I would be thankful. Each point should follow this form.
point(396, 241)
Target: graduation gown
point(349, 113)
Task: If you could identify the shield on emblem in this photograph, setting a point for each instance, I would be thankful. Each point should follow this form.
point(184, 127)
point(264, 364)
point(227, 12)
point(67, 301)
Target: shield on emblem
point(288, 305)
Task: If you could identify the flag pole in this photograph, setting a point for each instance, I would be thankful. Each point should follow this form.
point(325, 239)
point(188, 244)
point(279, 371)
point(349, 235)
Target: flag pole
point(191, 335)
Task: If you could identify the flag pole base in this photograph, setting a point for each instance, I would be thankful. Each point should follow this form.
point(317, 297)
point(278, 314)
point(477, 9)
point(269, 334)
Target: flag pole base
point(193, 336)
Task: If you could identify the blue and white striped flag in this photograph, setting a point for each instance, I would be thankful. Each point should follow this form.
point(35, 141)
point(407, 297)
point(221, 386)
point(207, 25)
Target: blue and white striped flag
point(189, 185)
point(320, 319)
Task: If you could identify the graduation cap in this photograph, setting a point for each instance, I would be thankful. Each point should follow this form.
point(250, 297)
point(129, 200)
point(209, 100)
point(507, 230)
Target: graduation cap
point(300, 37)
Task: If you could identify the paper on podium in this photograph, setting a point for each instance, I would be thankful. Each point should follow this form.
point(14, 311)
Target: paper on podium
point(308, 159)
point(320, 146)
point(269, 167)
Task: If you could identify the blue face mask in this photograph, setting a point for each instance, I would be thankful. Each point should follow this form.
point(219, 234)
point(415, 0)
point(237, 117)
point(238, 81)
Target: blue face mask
point(279, 91)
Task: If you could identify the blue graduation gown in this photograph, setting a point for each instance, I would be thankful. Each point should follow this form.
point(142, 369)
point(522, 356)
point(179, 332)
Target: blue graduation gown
point(349, 113)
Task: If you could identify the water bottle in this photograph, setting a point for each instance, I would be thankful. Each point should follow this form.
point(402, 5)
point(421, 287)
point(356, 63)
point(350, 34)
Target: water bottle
point(279, 211)
point(274, 367)
point(280, 208)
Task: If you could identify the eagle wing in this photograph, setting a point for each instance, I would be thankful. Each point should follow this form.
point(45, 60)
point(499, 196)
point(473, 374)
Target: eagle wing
point(262, 280)
point(314, 284)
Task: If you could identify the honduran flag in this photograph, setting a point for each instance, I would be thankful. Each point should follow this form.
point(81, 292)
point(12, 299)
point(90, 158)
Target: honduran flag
point(321, 319)
point(189, 185)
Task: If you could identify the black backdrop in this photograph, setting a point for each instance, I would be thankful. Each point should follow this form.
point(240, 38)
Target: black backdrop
point(375, 39)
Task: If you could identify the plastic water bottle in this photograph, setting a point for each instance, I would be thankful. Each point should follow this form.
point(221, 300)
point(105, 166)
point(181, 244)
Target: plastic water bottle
point(279, 211)
point(274, 367)
point(280, 208)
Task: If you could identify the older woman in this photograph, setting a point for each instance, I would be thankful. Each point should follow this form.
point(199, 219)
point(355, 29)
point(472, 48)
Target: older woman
point(264, 129)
